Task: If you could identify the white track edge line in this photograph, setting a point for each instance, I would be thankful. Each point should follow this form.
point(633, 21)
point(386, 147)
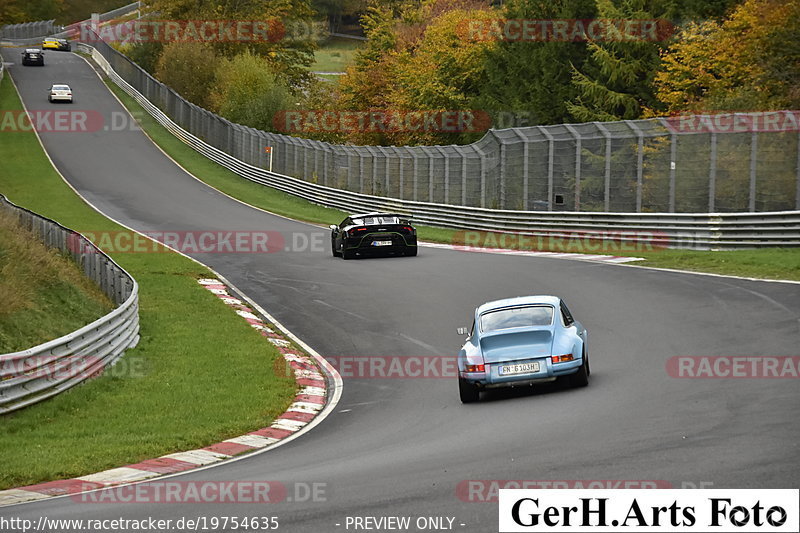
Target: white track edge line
point(334, 375)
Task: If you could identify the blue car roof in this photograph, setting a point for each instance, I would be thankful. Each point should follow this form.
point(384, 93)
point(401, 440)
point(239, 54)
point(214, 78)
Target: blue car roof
point(519, 300)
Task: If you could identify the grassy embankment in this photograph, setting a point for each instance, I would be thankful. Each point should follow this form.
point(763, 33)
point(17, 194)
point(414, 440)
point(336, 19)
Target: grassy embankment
point(200, 373)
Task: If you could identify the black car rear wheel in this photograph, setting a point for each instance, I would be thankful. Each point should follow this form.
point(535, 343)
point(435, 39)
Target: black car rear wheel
point(335, 252)
point(411, 252)
point(347, 254)
point(468, 392)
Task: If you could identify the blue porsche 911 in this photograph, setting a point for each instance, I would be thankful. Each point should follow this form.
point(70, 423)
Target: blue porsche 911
point(522, 341)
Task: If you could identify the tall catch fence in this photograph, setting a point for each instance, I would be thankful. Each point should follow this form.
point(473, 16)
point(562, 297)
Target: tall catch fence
point(28, 30)
point(746, 162)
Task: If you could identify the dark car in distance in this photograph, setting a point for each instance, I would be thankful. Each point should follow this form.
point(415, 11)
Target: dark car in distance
point(32, 56)
point(374, 234)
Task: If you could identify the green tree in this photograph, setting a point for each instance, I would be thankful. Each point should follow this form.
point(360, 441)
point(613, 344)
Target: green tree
point(616, 82)
point(533, 76)
point(189, 69)
point(248, 92)
point(11, 12)
point(145, 54)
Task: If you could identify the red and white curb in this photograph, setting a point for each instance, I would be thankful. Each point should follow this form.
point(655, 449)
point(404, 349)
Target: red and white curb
point(308, 403)
point(595, 258)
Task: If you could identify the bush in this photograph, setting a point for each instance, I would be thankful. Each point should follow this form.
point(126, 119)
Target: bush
point(190, 69)
point(248, 92)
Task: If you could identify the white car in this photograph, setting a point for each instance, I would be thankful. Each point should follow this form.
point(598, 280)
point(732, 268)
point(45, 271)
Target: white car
point(60, 92)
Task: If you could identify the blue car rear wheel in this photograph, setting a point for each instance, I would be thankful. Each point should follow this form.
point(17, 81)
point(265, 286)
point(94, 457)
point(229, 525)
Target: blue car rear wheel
point(581, 377)
point(468, 392)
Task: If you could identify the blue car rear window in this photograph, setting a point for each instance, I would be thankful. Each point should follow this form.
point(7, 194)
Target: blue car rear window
point(517, 317)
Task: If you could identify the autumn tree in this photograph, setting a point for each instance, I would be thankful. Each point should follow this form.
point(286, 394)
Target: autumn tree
point(750, 61)
point(290, 47)
point(417, 58)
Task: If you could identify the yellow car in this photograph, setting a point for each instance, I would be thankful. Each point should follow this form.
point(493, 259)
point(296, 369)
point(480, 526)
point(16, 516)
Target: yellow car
point(52, 43)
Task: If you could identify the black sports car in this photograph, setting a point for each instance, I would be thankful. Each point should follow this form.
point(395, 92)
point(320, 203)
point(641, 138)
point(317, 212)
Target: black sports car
point(32, 56)
point(374, 233)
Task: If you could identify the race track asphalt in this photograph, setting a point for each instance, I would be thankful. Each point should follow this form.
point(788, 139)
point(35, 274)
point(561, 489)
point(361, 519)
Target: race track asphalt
point(401, 447)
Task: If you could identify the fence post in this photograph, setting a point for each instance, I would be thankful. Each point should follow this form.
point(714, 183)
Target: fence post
point(464, 177)
point(673, 150)
point(386, 180)
point(446, 174)
point(482, 162)
point(430, 173)
point(416, 173)
point(401, 180)
point(797, 182)
point(607, 185)
point(712, 174)
point(577, 137)
point(639, 162)
point(550, 154)
point(753, 161)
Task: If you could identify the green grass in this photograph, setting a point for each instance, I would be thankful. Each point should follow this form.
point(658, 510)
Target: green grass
point(200, 373)
point(335, 55)
point(44, 293)
point(768, 263)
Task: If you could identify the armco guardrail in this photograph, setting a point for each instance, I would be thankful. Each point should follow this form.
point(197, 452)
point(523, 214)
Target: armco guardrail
point(43, 371)
point(676, 230)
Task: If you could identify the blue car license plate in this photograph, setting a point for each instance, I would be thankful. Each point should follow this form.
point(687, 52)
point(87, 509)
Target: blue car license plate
point(519, 368)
